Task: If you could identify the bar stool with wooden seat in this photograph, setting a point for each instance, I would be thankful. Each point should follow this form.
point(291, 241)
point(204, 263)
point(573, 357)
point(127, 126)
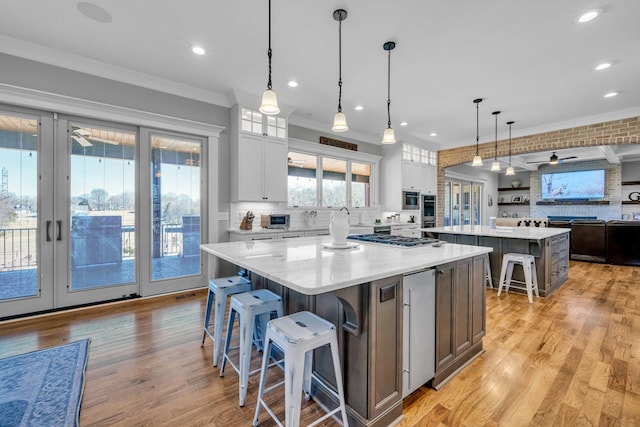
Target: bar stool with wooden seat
point(297, 335)
point(528, 263)
point(219, 290)
point(250, 307)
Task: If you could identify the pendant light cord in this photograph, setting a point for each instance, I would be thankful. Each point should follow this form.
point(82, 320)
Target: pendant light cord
point(389, 90)
point(269, 50)
point(510, 123)
point(495, 113)
point(340, 66)
point(477, 125)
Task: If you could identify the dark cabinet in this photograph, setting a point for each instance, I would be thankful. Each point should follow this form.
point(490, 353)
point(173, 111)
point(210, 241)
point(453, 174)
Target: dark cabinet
point(460, 315)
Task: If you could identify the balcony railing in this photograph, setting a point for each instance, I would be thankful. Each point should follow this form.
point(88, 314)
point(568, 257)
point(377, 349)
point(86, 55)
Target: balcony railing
point(18, 246)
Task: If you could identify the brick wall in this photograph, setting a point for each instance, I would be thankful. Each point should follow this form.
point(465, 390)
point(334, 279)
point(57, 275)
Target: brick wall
point(616, 132)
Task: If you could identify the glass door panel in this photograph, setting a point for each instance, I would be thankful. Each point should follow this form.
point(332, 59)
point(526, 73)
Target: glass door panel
point(360, 185)
point(476, 191)
point(447, 203)
point(176, 207)
point(455, 196)
point(19, 239)
point(466, 203)
point(95, 240)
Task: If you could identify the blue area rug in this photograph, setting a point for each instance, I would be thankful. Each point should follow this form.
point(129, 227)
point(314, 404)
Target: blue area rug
point(43, 388)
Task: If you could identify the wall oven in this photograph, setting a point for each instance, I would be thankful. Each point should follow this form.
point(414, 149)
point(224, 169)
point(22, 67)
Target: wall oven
point(410, 200)
point(428, 210)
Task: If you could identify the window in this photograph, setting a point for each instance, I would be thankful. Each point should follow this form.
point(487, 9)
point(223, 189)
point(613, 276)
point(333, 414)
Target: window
point(302, 187)
point(360, 185)
point(334, 182)
point(321, 176)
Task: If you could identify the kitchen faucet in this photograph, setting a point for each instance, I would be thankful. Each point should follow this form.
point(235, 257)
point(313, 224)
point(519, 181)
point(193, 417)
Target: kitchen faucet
point(346, 209)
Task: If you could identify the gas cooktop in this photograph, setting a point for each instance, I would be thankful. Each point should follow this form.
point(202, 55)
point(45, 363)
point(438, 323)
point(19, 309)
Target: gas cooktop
point(404, 241)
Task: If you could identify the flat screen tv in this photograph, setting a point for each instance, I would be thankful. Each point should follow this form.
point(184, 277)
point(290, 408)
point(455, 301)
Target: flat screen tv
point(582, 185)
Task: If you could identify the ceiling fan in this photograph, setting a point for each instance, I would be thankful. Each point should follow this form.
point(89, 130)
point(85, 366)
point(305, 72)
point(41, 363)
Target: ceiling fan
point(554, 160)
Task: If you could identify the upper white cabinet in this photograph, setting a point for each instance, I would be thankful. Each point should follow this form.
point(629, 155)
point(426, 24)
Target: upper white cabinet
point(406, 167)
point(258, 157)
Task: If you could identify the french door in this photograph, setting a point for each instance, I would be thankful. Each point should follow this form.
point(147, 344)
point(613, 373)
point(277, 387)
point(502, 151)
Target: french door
point(462, 202)
point(94, 211)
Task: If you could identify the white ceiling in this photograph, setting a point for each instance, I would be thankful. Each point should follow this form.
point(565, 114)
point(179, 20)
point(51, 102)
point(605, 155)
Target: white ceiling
point(529, 59)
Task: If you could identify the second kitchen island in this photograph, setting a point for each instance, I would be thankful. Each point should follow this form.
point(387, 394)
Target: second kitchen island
point(360, 290)
point(549, 246)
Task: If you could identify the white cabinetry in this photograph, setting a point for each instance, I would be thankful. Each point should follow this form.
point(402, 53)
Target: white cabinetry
point(237, 237)
point(258, 160)
point(411, 230)
point(405, 167)
point(290, 234)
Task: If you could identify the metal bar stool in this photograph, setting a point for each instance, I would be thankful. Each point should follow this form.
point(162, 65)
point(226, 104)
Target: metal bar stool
point(249, 306)
point(528, 263)
point(297, 335)
point(487, 271)
point(219, 290)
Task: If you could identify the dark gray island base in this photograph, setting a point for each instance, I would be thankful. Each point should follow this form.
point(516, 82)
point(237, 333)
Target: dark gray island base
point(362, 292)
point(549, 246)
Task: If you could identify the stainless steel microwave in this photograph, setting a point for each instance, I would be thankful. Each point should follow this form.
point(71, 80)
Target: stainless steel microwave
point(276, 221)
point(410, 200)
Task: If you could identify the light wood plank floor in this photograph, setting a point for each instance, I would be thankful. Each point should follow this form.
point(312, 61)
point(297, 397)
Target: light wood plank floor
point(571, 359)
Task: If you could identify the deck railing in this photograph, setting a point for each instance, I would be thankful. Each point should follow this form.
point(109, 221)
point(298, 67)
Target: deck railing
point(18, 246)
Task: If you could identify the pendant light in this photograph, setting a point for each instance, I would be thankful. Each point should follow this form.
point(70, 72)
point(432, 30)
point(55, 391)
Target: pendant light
point(477, 160)
point(269, 104)
point(510, 170)
point(389, 137)
point(340, 120)
point(495, 167)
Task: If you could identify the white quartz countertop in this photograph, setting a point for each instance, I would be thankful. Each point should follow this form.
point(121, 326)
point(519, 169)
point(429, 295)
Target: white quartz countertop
point(306, 266)
point(531, 233)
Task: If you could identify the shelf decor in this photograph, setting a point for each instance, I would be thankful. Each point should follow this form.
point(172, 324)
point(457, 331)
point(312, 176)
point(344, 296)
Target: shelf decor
point(516, 199)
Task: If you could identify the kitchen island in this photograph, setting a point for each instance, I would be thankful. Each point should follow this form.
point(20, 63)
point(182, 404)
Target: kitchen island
point(549, 246)
point(360, 289)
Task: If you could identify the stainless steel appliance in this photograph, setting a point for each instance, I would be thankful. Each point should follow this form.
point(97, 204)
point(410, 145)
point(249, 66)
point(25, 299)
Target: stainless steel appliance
point(382, 229)
point(276, 221)
point(419, 330)
point(410, 200)
point(403, 241)
point(428, 210)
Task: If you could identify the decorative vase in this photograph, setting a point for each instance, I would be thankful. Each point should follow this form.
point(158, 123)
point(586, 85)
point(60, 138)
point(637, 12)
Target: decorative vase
point(515, 184)
point(339, 227)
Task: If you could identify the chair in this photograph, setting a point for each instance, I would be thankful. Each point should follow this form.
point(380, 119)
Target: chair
point(250, 307)
point(528, 263)
point(297, 335)
point(219, 290)
point(487, 271)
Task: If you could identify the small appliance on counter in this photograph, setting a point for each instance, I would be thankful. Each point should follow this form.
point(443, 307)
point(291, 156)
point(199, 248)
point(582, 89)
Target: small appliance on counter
point(276, 221)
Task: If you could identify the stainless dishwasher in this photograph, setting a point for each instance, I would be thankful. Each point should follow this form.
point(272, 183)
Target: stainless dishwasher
point(419, 329)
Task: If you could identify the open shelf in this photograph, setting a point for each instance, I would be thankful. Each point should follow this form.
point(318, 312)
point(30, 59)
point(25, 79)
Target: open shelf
point(572, 202)
point(631, 202)
point(513, 204)
point(627, 183)
point(514, 189)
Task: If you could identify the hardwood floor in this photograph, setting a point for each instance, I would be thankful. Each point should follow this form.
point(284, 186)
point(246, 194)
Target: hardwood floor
point(570, 359)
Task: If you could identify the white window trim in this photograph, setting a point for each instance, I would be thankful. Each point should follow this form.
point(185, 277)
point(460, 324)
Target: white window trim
point(307, 147)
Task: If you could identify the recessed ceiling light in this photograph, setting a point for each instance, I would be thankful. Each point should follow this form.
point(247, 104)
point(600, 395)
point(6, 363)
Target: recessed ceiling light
point(433, 134)
point(603, 66)
point(589, 16)
point(292, 83)
point(610, 94)
point(198, 50)
point(404, 123)
point(358, 107)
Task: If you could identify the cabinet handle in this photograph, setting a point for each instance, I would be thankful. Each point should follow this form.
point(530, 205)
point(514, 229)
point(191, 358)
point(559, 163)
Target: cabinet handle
point(440, 271)
point(59, 236)
point(48, 229)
